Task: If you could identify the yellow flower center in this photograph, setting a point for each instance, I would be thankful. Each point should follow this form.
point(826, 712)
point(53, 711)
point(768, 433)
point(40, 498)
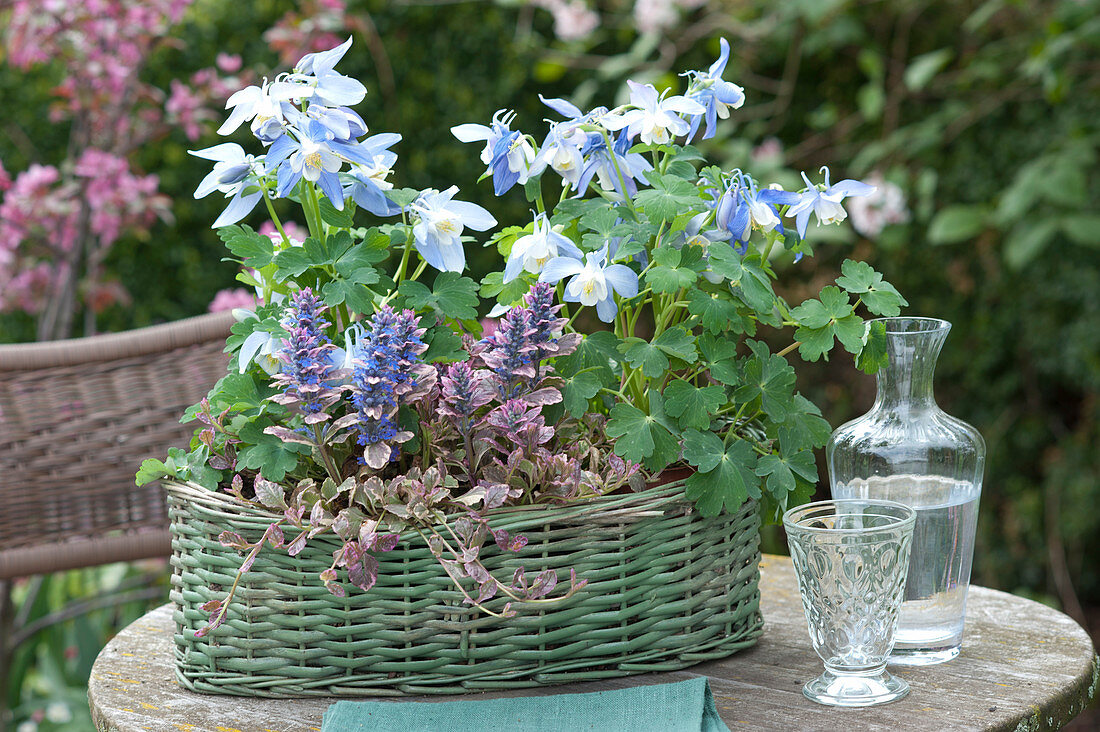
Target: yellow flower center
point(313, 160)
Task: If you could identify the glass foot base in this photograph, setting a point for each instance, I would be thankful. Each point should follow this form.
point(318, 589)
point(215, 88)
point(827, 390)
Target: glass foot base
point(855, 690)
point(922, 656)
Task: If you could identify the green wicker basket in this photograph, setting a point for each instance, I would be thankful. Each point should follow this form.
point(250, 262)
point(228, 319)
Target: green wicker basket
point(667, 588)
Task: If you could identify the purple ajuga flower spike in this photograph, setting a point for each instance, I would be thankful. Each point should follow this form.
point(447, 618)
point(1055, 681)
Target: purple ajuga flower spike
point(546, 326)
point(509, 352)
point(523, 338)
point(464, 390)
point(306, 357)
point(388, 373)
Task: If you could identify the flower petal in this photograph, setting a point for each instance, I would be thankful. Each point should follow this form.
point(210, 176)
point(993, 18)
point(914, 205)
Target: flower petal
point(286, 179)
point(560, 267)
point(279, 151)
point(454, 257)
point(850, 187)
point(208, 185)
point(562, 107)
point(471, 132)
point(224, 152)
point(607, 308)
point(684, 105)
point(428, 250)
point(512, 268)
point(472, 215)
point(623, 279)
point(339, 90)
point(315, 63)
point(250, 347)
point(330, 184)
point(239, 207)
point(564, 245)
point(236, 118)
point(719, 66)
point(642, 95)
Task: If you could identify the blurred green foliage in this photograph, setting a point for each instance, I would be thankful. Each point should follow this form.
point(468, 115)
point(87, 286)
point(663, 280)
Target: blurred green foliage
point(48, 676)
point(986, 113)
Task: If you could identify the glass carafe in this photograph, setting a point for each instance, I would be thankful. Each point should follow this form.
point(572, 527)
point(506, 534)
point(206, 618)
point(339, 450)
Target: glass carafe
point(907, 449)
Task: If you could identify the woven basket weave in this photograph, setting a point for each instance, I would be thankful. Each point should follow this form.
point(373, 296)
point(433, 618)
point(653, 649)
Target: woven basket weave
point(667, 588)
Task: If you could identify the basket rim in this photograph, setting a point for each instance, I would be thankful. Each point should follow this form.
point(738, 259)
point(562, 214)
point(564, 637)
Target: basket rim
point(651, 501)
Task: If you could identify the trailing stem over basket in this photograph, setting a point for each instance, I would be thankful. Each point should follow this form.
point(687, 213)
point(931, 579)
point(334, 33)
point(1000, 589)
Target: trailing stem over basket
point(631, 331)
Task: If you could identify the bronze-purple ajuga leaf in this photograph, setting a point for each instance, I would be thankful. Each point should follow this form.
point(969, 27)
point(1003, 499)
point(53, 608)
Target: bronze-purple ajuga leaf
point(233, 540)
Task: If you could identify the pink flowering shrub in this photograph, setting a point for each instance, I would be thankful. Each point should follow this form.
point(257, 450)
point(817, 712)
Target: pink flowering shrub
point(231, 299)
point(316, 25)
point(574, 20)
point(887, 205)
point(295, 232)
point(58, 223)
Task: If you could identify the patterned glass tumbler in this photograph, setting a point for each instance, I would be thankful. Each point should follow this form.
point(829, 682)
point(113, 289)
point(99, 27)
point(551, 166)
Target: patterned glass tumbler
point(851, 558)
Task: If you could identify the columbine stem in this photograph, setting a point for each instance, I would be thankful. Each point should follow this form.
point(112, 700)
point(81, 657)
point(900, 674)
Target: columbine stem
point(419, 270)
point(311, 206)
point(404, 258)
point(274, 216)
point(789, 348)
point(615, 165)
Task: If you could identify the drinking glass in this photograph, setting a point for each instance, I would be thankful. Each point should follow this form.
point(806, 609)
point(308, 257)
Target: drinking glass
point(851, 558)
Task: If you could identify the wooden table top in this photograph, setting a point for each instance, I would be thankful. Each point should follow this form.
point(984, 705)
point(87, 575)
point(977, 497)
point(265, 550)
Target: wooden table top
point(1023, 666)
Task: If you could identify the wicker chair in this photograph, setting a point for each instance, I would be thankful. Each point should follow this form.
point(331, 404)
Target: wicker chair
point(77, 417)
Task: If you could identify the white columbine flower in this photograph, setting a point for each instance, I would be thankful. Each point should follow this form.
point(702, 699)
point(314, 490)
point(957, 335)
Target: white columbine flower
point(252, 103)
point(562, 152)
point(438, 230)
point(655, 120)
point(533, 251)
point(595, 282)
point(825, 204)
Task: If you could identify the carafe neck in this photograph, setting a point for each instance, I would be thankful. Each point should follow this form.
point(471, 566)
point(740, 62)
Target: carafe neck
point(913, 346)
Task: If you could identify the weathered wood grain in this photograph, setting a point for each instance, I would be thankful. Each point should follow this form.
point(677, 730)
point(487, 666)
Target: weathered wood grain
point(1023, 667)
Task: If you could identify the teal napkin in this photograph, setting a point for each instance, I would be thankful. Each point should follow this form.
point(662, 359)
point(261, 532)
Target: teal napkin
point(685, 706)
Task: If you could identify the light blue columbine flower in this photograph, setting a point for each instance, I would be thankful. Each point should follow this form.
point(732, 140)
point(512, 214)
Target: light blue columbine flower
point(533, 251)
point(742, 208)
point(366, 182)
point(507, 152)
point(607, 164)
point(439, 224)
point(654, 120)
point(307, 153)
point(343, 123)
point(825, 201)
point(716, 95)
point(234, 175)
point(567, 143)
point(594, 282)
point(314, 78)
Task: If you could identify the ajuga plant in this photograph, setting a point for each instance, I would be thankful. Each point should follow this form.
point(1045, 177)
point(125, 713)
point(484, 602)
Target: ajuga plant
point(624, 330)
